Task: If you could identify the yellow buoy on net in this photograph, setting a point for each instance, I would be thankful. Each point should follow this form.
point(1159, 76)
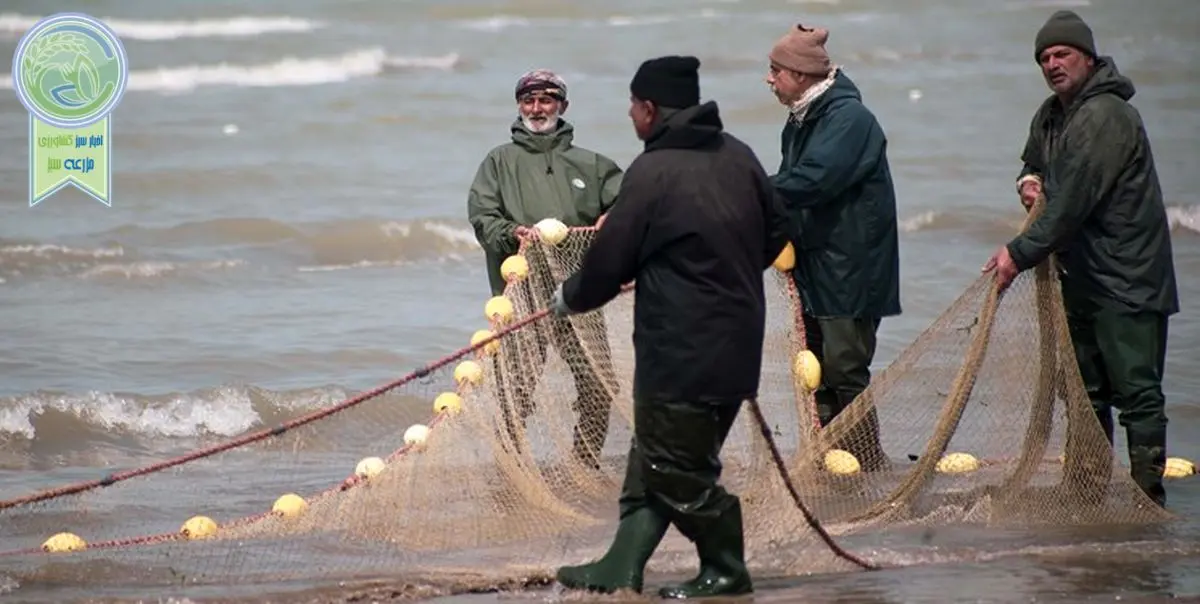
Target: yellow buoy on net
point(1178, 467)
point(957, 463)
point(64, 542)
point(369, 467)
point(447, 402)
point(416, 435)
point(842, 462)
point(289, 505)
point(808, 369)
point(552, 230)
point(499, 309)
point(481, 335)
point(786, 260)
point(514, 268)
point(199, 527)
point(468, 373)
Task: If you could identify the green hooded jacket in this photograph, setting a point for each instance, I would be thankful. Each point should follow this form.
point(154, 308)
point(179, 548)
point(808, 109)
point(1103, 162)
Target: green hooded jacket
point(1104, 215)
point(536, 176)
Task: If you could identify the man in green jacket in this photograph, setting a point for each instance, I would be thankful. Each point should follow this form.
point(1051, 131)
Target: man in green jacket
point(542, 174)
point(836, 184)
point(1104, 217)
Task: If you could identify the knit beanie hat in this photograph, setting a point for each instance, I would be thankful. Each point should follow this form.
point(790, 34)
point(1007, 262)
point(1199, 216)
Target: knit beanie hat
point(671, 81)
point(803, 50)
point(542, 80)
point(1064, 27)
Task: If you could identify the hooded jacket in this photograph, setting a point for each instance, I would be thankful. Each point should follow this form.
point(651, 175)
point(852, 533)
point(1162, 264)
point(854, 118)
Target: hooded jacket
point(1104, 213)
point(533, 177)
point(697, 225)
point(837, 188)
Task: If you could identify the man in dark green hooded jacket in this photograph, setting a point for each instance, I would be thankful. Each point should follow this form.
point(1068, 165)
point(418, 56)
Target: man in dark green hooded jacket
point(837, 186)
point(541, 174)
point(1104, 217)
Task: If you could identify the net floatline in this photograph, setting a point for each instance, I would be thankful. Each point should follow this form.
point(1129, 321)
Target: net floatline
point(547, 495)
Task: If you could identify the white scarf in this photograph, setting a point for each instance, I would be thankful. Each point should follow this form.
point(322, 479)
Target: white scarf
point(799, 108)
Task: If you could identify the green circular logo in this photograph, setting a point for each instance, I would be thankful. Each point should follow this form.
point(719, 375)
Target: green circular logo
point(70, 70)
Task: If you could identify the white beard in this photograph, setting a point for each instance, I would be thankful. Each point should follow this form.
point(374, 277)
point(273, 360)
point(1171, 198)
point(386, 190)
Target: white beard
point(547, 125)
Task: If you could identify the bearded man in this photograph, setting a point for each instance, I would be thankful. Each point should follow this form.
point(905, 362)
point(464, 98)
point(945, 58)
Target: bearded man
point(542, 174)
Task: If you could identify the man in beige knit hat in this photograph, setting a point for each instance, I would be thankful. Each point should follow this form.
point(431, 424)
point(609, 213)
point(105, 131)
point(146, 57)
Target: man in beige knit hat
point(837, 187)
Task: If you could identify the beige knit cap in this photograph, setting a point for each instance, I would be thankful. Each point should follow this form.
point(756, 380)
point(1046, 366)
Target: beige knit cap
point(803, 50)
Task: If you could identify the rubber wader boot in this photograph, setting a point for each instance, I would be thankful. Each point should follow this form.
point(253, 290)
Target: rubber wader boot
point(722, 561)
point(623, 566)
point(1146, 466)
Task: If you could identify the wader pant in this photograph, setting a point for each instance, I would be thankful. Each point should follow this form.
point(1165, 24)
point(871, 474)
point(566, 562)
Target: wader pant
point(672, 479)
point(1121, 356)
point(845, 347)
point(582, 342)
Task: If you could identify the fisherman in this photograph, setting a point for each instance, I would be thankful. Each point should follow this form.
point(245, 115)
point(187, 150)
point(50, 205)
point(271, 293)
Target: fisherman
point(837, 187)
point(697, 225)
point(1104, 217)
point(542, 174)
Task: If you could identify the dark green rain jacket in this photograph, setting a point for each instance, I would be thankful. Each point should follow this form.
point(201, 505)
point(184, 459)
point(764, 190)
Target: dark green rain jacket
point(837, 187)
point(1104, 215)
point(536, 176)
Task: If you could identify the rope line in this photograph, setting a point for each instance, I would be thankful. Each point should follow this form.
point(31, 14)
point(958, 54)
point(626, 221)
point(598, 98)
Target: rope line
point(813, 523)
point(282, 428)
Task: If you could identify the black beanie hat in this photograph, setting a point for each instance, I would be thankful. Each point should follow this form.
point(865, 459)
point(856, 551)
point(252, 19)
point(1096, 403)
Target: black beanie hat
point(1064, 27)
point(671, 81)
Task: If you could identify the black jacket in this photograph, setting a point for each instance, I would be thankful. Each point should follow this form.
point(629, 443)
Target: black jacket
point(696, 224)
point(837, 187)
point(1104, 213)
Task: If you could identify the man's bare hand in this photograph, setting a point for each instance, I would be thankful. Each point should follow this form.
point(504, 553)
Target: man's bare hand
point(1002, 263)
point(1030, 191)
point(524, 232)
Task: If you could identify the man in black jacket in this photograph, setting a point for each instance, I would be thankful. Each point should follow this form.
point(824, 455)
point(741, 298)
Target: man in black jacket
point(1104, 216)
point(697, 225)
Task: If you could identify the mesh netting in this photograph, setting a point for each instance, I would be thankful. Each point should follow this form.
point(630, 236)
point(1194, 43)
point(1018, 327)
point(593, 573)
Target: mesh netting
point(503, 461)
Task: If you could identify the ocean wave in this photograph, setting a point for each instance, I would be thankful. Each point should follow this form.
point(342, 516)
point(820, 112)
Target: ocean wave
point(107, 262)
point(500, 22)
point(288, 71)
point(138, 29)
point(1183, 219)
point(333, 243)
point(45, 425)
point(139, 253)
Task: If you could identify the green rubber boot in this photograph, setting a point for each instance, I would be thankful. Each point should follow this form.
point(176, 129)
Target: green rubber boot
point(623, 566)
point(722, 562)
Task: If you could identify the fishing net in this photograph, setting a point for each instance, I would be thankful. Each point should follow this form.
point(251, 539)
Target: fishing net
point(498, 463)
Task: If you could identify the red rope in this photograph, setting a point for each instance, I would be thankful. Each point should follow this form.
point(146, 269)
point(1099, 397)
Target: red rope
point(253, 437)
point(813, 523)
point(350, 482)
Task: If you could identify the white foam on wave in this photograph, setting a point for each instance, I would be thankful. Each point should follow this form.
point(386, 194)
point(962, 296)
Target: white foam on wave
point(498, 23)
point(288, 71)
point(137, 29)
point(224, 411)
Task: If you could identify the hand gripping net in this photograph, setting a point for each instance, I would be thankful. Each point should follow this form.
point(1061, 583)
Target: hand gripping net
point(503, 478)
